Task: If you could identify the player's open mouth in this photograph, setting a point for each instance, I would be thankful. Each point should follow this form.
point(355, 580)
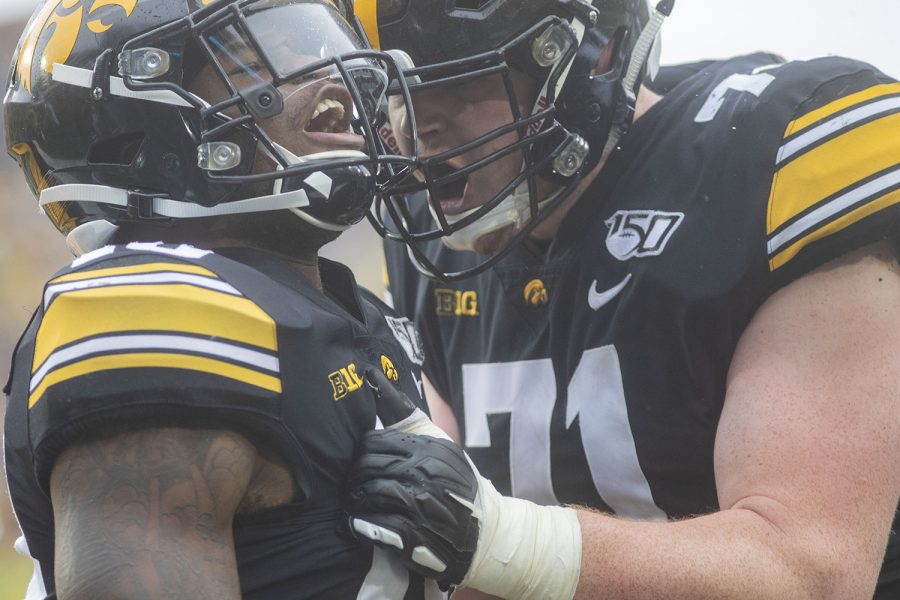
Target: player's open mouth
point(328, 126)
point(452, 194)
point(330, 116)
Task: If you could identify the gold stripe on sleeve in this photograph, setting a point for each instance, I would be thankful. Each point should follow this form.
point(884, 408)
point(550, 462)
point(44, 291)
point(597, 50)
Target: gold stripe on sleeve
point(176, 308)
point(846, 220)
point(135, 270)
point(832, 166)
point(156, 360)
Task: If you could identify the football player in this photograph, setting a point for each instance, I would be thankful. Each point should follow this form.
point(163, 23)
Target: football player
point(184, 405)
point(680, 312)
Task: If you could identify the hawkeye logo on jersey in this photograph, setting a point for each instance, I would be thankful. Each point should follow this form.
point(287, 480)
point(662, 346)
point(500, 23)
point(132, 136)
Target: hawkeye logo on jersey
point(536, 293)
point(345, 381)
point(390, 371)
point(637, 233)
point(62, 20)
point(455, 303)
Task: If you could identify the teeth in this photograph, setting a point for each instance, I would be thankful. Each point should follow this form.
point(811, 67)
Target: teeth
point(326, 105)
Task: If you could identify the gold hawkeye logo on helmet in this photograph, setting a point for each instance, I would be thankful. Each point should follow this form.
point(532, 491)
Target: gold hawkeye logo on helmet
point(62, 21)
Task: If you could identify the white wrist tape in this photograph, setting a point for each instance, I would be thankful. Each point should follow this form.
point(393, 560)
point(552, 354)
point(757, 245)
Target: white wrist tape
point(525, 551)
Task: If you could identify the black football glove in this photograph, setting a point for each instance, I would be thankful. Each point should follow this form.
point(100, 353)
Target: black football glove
point(415, 492)
point(405, 492)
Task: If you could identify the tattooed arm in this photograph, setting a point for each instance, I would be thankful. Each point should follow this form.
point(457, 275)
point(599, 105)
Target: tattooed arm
point(147, 514)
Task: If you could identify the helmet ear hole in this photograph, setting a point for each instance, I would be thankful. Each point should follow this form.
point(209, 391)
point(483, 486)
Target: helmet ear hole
point(605, 61)
point(120, 150)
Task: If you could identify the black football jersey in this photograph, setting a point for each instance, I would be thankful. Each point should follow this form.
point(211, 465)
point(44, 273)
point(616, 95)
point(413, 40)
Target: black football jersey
point(235, 340)
point(595, 373)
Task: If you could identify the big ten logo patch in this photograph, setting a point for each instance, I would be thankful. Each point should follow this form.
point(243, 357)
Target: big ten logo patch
point(57, 27)
point(345, 381)
point(390, 371)
point(455, 303)
point(536, 293)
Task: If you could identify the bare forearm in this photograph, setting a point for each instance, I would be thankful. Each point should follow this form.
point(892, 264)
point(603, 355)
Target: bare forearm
point(148, 515)
point(730, 554)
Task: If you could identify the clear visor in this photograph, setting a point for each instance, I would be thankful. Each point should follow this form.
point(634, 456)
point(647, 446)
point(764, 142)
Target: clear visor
point(296, 68)
point(277, 37)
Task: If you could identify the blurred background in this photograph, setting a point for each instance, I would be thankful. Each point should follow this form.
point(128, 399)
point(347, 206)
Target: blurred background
point(31, 250)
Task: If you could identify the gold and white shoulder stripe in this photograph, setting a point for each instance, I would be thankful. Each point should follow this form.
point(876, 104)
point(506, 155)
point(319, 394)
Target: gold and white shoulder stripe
point(155, 315)
point(838, 165)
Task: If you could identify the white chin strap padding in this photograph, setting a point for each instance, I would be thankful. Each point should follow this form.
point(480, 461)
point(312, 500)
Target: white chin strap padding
point(319, 181)
point(514, 210)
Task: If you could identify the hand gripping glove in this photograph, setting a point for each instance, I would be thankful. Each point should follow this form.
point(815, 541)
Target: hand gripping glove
point(415, 492)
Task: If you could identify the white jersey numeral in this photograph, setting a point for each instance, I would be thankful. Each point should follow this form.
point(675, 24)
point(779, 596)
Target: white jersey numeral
point(755, 84)
point(526, 390)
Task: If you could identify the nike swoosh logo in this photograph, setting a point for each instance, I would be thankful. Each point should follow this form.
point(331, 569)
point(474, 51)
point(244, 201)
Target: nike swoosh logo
point(598, 300)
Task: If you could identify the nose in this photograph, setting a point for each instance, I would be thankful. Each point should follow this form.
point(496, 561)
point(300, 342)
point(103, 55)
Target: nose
point(429, 111)
point(433, 114)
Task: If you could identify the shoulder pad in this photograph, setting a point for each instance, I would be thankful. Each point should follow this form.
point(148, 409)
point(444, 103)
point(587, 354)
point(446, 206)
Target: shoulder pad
point(152, 334)
point(123, 311)
point(838, 163)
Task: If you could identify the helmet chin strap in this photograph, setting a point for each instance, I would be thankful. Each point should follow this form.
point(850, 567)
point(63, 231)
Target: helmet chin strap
point(646, 49)
point(96, 234)
point(318, 180)
point(514, 210)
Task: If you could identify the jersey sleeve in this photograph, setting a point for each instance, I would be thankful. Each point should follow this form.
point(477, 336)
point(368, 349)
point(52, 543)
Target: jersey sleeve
point(836, 183)
point(148, 340)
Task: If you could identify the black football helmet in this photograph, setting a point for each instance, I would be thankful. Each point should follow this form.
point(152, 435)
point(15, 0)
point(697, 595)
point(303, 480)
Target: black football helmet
point(134, 110)
point(573, 120)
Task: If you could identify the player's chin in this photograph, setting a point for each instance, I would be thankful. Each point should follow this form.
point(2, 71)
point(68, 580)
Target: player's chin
point(493, 242)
